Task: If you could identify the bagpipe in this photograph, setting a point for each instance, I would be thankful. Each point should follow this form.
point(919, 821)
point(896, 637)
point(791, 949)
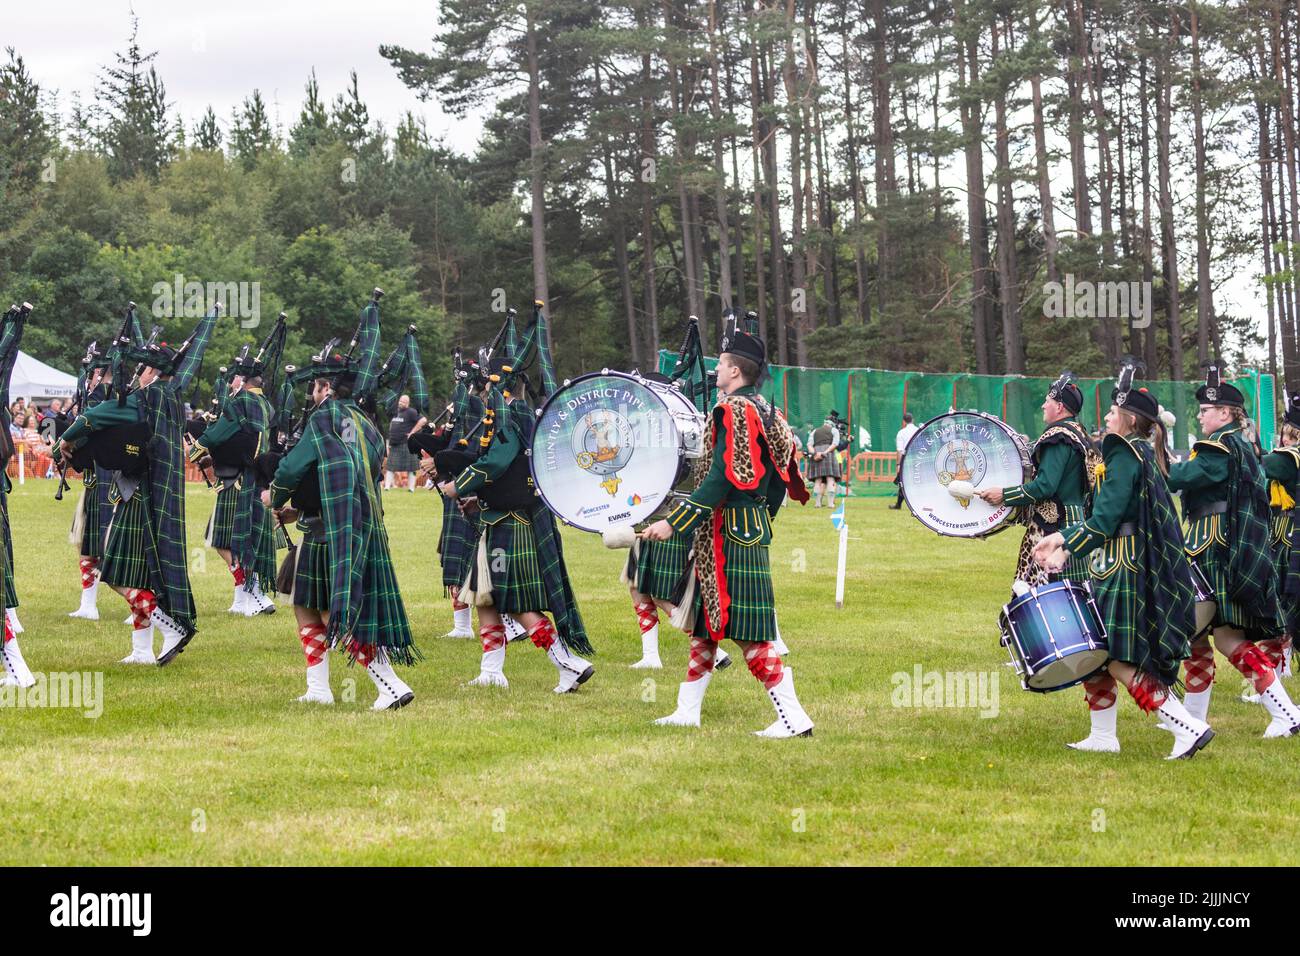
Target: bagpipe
point(122, 448)
point(286, 429)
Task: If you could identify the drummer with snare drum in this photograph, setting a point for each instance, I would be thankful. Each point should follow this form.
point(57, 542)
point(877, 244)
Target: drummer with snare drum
point(1140, 574)
point(1062, 479)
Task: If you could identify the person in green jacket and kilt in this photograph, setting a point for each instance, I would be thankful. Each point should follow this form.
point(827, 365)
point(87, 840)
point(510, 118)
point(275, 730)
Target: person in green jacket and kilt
point(1055, 497)
point(1282, 470)
point(241, 529)
point(146, 555)
point(729, 516)
point(346, 594)
point(1140, 575)
point(517, 564)
point(1226, 510)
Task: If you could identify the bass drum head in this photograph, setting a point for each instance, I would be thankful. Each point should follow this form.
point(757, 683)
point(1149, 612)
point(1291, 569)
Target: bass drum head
point(972, 447)
point(605, 452)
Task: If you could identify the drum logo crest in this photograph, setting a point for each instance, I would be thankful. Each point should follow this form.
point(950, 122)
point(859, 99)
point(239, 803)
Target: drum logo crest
point(960, 459)
point(603, 442)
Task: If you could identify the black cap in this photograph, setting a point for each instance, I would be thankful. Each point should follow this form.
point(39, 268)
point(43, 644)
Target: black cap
point(1138, 401)
point(161, 357)
point(736, 342)
point(1216, 391)
point(1066, 392)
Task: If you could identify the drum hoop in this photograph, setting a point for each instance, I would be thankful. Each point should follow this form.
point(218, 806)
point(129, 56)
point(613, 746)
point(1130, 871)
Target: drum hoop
point(541, 414)
point(1015, 438)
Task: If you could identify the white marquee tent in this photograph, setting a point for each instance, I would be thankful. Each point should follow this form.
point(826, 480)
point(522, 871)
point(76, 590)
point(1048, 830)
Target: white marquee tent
point(33, 379)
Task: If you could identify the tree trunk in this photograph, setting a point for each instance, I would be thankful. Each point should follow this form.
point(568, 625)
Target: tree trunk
point(719, 168)
point(1008, 272)
point(648, 173)
point(799, 290)
point(1168, 244)
point(758, 149)
point(536, 157)
point(855, 183)
point(886, 180)
point(977, 220)
point(1148, 254)
point(1074, 86)
point(1204, 302)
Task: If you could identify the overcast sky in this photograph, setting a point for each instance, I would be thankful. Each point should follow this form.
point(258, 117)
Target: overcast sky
point(217, 53)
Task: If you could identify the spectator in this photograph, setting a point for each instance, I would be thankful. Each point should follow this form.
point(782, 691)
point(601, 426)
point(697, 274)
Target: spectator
point(37, 450)
point(401, 461)
point(900, 444)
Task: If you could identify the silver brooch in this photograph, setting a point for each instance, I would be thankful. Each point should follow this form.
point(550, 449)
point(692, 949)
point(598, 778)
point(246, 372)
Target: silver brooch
point(1211, 393)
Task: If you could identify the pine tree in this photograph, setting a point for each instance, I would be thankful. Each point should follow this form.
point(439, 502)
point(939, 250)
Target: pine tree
point(133, 103)
point(207, 134)
point(312, 130)
point(251, 136)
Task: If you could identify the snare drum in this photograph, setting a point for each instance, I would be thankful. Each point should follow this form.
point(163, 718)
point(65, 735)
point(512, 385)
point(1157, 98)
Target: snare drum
point(1206, 603)
point(609, 448)
point(970, 446)
point(1055, 636)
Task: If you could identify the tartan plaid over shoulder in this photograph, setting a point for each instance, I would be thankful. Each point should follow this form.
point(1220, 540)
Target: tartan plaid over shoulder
point(1252, 574)
point(1161, 584)
point(560, 598)
point(164, 486)
point(365, 605)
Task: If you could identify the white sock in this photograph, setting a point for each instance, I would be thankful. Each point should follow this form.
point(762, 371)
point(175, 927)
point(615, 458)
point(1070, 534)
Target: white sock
point(461, 619)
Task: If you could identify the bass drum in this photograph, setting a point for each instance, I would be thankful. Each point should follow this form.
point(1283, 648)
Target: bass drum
point(609, 448)
point(967, 446)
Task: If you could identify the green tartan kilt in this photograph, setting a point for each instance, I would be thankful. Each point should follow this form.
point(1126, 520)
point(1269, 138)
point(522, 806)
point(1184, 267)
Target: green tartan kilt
point(126, 544)
point(265, 563)
point(513, 564)
point(456, 543)
point(221, 525)
point(1281, 541)
point(1114, 587)
point(748, 573)
point(383, 622)
point(92, 530)
point(311, 577)
point(6, 565)
point(6, 545)
point(1207, 549)
point(660, 566)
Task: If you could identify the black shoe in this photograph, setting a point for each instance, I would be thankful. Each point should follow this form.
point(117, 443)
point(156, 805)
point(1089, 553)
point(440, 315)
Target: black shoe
point(401, 701)
point(723, 664)
point(170, 656)
point(895, 507)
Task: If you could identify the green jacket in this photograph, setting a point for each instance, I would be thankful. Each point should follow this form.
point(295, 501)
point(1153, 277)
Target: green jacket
point(1059, 475)
point(507, 444)
point(1203, 477)
point(104, 415)
point(247, 408)
point(717, 490)
point(1115, 499)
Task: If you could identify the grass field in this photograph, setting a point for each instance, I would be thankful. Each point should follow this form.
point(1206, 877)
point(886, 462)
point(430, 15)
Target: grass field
point(210, 760)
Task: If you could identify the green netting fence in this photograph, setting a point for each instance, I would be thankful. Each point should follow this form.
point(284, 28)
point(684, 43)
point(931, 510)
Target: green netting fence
point(873, 402)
